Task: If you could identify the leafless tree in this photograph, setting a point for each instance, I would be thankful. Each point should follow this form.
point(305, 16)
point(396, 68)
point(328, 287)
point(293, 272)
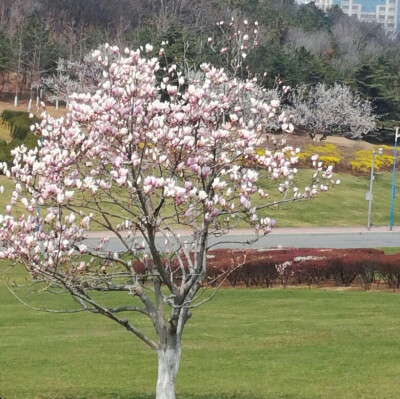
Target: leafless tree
point(314, 42)
point(350, 43)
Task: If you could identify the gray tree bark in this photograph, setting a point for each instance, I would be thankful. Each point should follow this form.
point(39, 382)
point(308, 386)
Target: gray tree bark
point(168, 365)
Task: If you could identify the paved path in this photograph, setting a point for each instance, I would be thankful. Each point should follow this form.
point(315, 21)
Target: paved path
point(302, 237)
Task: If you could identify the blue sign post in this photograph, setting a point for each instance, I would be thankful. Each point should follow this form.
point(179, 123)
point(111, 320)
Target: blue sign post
point(393, 180)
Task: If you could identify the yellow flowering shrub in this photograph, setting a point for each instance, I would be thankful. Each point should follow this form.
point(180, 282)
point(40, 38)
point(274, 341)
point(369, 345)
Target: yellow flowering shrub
point(363, 160)
point(328, 160)
point(260, 151)
point(329, 154)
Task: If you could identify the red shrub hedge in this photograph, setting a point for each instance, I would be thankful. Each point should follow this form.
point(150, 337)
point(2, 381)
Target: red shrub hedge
point(307, 266)
point(342, 267)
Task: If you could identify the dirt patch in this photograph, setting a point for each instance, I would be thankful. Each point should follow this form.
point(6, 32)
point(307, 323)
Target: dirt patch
point(342, 143)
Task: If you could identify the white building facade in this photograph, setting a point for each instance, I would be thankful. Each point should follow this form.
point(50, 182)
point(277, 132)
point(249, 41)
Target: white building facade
point(384, 12)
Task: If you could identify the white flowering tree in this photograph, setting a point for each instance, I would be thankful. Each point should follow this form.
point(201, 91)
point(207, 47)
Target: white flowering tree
point(142, 168)
point(331, 110)
point(59, 88)
point(72, 77)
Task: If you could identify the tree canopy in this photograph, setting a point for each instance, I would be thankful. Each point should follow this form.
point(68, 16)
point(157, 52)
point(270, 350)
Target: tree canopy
point(143, 168)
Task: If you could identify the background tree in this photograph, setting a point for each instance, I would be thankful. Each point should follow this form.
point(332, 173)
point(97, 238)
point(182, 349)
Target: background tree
point(39, 51)
point(327, 110)
point(298, 43)
point(123, 159)
point(93, 38)
point(34, 54)
point(317, 43)
point(379, 81)
point(72, 77)
point(5, 56)
point(61, 85)
point(312, 18)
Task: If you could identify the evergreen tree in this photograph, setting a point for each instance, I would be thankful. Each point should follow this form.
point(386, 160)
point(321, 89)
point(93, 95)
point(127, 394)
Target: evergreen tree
point(379, 81)
point(5, 52)
point(93, 38)
point(310, 17)
point(39, 51)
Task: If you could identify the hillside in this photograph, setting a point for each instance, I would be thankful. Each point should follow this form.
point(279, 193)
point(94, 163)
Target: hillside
point(297, 43)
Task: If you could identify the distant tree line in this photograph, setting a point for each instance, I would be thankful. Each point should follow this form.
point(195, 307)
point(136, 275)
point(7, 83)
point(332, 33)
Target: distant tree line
point(299, 44)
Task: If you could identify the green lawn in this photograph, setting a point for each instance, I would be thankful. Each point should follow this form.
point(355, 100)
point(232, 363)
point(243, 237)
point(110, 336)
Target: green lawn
point(390, 250)
point(297, 344)
point(344, 205)
point(4, 132)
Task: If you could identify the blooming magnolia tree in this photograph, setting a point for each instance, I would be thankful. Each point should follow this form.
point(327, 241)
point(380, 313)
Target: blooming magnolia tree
point(325, 110)
point(142, 168)
point(233, 42)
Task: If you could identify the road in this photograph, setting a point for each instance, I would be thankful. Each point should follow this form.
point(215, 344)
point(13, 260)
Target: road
point(317, 237)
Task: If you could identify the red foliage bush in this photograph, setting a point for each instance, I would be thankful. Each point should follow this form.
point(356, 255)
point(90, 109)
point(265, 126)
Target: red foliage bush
point(308, 266)
point(389, 270)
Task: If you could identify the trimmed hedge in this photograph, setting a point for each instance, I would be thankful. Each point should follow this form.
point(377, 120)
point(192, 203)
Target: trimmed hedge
point(266, 268)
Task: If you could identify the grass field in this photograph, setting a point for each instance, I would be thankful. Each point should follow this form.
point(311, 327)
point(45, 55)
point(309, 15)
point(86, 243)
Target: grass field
point(4, 133)
point(345, 205)
point(292, 344)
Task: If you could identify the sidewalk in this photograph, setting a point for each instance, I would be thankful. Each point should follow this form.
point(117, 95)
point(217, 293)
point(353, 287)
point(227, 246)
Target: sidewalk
point(334, 230)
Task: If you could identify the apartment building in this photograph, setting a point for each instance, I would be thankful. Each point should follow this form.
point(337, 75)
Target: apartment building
point(385, 12)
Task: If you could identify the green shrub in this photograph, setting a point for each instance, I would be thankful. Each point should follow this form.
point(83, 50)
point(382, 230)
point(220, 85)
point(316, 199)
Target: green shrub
point(5, 155)
point(30, 141)
point(8, 116)
point(18, 122)
point(20, 128)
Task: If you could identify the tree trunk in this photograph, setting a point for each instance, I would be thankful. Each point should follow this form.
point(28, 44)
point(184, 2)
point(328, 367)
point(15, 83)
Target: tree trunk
point(168, 365)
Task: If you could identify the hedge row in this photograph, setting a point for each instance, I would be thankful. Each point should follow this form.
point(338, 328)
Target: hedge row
point(342, 267)
point(267, 268)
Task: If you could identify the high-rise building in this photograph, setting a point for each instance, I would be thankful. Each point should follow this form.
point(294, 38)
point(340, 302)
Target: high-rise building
point(385, 12)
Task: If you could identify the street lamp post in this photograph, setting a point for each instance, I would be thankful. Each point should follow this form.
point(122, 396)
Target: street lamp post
point(371, 181)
